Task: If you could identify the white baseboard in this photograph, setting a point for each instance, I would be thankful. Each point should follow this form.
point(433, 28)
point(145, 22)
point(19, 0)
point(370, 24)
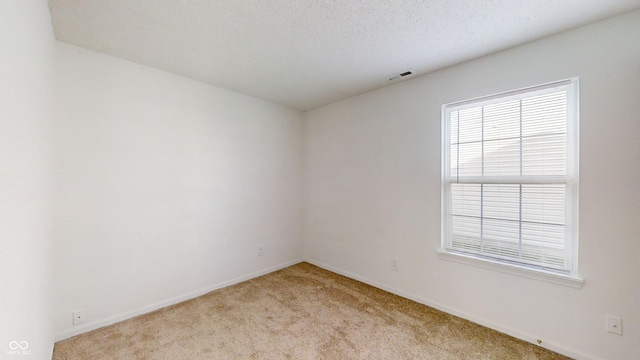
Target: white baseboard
point(503, 329)
point(161, 304)
point(158, 305)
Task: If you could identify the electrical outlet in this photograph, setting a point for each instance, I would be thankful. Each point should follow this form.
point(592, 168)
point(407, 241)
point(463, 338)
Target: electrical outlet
point(395, 264)
point(613, 324)
point(78, 317)
point(260, 250)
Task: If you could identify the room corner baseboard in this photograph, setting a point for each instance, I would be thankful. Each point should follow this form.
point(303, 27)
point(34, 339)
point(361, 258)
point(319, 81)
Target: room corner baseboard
point(503, 329)
point(168, 302)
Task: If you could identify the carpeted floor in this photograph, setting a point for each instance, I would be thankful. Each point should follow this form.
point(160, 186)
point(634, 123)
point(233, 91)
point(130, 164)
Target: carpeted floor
point(301, 312)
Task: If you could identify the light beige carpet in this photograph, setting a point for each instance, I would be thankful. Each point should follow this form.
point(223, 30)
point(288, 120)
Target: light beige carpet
point(301, 312)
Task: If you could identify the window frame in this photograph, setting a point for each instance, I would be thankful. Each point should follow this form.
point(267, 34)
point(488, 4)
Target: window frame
point(568, 275)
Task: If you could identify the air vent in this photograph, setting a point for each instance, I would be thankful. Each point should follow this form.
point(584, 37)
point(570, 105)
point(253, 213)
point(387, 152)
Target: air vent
point(401, 75)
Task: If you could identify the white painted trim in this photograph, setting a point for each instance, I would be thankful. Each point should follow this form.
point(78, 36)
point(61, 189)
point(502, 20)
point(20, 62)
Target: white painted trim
point(168, 302)
point(570, 180)
point(503, 329)
point(548, 276)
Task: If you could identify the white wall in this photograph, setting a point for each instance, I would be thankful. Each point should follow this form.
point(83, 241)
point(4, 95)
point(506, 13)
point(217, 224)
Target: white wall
point(164, 188)
point(372, 192)
point(26, 45)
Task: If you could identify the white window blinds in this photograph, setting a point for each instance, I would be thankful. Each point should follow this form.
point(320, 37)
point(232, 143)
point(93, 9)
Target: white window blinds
point(509, 176)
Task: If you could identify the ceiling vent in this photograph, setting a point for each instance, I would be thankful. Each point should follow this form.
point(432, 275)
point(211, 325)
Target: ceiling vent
point(401, 75)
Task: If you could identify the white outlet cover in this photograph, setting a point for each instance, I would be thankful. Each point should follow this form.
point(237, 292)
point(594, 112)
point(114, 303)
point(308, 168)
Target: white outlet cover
point(78, 317)
point(395, 264)
point(614, 324)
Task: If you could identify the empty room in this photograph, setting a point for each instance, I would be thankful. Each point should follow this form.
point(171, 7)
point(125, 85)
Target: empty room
point(289, 179)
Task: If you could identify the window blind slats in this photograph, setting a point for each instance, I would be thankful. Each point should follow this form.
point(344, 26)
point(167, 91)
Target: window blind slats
point(501, 201)
point(501, 157)
point(520, 220)
point(544, 155)
point(523, 137)
point(502, 121)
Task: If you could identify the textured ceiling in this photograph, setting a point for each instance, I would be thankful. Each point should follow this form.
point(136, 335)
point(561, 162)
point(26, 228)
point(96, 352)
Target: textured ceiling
point(306, 53)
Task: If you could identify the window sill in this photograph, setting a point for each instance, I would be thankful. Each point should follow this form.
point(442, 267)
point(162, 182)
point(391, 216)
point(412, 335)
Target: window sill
point(548, 276)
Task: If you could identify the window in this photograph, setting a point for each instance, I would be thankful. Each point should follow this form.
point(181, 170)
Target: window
point(510, 178)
